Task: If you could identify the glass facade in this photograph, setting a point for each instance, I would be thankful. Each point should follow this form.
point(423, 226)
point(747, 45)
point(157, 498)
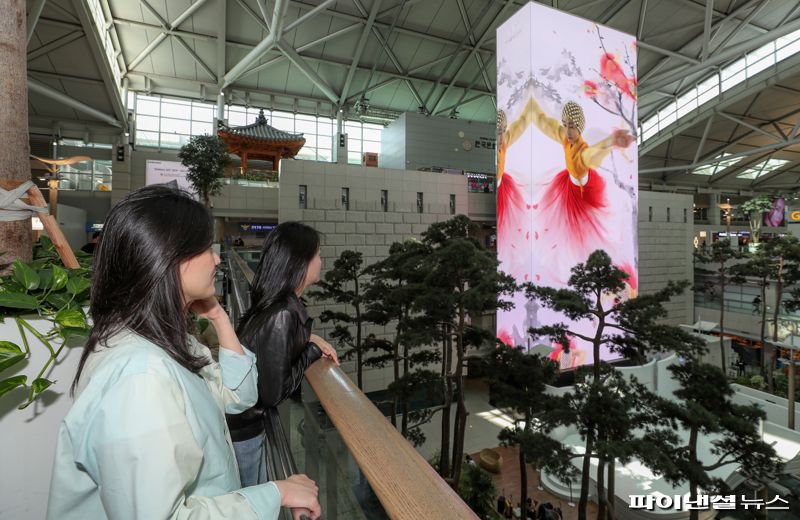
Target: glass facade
point(94, 175)
point(728, 77)
point(164, 122)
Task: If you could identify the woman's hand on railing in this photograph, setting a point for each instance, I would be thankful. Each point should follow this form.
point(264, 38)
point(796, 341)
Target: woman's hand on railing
point(327, 349)
point(300, 492)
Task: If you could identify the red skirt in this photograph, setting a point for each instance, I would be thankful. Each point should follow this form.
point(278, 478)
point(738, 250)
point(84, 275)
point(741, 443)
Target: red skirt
point(510, 207)
point(579, 212)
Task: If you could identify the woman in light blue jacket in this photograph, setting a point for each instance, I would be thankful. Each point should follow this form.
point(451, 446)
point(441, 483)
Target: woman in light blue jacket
point(146, 437)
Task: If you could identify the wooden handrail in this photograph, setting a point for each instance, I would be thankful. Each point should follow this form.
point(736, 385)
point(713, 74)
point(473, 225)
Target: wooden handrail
point(407, 486)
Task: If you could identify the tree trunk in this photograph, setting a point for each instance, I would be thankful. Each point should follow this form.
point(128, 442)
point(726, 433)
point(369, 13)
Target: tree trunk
point(790, 391)
point(461, 409)
point(523, 480)
point(404, 409)
point(15, 237)
point(776, 311)
point(396, 374)
point(447, 389)
point(693, 513)
point(764, 349)
point(359, 346)
point(587, 466)
point(722, 317)
point(601, 487)
point(611, 494)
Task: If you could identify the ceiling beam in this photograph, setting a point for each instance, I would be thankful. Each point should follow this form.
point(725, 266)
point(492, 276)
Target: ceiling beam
point(739, 121)
point(702, 143)
point(731, 52)
point(736, 15)
point(310, 73)
point(33, 17)
point(468, 26)
point(612, 11)
point(738, 167)
point(44, 90)
point(782, 70)
point(774, 173)
point(746, 153)
point(454, 55)
point(744, 23)
point(362, 42)
point(302, 48)
point(640, 24)
point(309, 15)
point(391, 55)
point(53, 45)
point(486, 33)
point(706, 29)
point(96, 37)
point(278, 16)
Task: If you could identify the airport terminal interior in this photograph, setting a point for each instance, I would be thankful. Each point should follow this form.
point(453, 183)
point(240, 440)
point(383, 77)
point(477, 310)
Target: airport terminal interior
point(559, 244)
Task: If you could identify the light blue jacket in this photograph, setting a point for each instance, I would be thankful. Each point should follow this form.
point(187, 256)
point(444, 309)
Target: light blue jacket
point(146, 439)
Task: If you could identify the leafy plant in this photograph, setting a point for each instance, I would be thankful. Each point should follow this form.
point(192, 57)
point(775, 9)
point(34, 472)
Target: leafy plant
point(206, 156)
point(754, 209)
point(41, 289)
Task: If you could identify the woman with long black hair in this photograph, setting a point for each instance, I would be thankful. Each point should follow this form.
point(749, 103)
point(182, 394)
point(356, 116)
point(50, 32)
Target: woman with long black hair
point(278, 328)
point(146, 437)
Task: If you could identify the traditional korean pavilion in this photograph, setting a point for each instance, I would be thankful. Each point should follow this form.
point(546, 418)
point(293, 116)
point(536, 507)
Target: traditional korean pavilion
point(261, 141)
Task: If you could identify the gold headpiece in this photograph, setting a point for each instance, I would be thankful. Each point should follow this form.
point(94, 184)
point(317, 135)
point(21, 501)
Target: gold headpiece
point(574, 113)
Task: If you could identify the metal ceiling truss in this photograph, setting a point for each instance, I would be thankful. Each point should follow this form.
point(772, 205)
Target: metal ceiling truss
point(780, 71)
point(774, 174)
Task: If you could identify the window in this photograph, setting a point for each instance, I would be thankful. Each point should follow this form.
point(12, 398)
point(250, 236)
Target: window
point(303, 196)
point(94, 175)
point(650, 213)
point(346, 198)
point(728, 77)
point(170, 123)
point(452, 204)
point(669, 213)
point(685, 215)
point(419, 202)
point(385, 200)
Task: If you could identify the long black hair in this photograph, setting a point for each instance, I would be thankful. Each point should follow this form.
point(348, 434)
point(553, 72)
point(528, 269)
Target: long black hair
point(287, 251)
point(136, 281)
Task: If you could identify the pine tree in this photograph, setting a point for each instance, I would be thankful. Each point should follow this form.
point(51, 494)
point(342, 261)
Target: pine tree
point(720, 254)
point(758, 266)
point(461, 283)
point(704, 407)
point(396, 283)
point(784, 253)
point(519, 384)
point(345, 284)
point(630, 328)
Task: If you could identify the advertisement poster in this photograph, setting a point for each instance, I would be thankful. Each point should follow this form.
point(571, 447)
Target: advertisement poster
point(566, 162)
point(162, 172)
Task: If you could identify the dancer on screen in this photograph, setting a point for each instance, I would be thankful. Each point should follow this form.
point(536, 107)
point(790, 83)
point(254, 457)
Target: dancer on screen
point(510, 201)
point(575, 199)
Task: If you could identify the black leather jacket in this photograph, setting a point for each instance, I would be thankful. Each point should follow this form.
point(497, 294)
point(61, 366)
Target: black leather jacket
point(283, 352)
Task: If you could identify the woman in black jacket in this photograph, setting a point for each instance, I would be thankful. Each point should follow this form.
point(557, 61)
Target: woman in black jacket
point(278, 329)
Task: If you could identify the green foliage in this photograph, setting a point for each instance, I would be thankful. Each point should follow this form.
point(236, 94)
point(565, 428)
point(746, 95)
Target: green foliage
point(519, 384)
point(705, 406)
point(45, 289)
point(206, 157)
point(344, 284)
point(757, 205)
point(461, 283)
point(477, 489)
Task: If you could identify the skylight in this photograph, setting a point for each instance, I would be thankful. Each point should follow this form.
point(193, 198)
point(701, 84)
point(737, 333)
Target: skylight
point(762, 168)
point(728, 77)
point(711, 169)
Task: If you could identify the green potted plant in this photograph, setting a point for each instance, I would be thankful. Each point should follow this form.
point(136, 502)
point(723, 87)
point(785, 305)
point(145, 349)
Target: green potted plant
point(755, 209)
point(45, 303)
